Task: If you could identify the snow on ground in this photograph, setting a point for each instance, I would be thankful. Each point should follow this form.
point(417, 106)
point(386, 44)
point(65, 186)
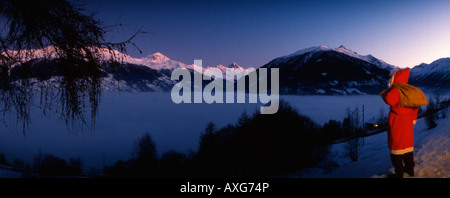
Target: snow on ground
point(431, 155)
point(5, 173)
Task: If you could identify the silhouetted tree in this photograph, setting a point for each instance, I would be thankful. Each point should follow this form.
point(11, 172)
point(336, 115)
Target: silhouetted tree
point(353, 130)
point(48, 165)
point(260, 145)
point(75, 38)
point(27, 171)
point(94, 172)
point(382, 118)
point(206, 138)
point(214, 156)
point(119, 169)
point(444, 111)
point(264, 145)
point(437, 96)
point(430, 113)
point(174, 164)
point(145, 160)
point(441, 104)
point(243, 119)
point(3, 159)
point(75, 167)
point(18, 165)
point(36, 24)
point(332, 130)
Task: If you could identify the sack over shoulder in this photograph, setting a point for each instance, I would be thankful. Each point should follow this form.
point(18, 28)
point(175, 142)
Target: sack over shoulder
point(410, 96)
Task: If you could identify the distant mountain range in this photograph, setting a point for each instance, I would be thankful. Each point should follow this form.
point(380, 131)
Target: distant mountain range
point(317, 70)
point(150, 73)
point(435, 75)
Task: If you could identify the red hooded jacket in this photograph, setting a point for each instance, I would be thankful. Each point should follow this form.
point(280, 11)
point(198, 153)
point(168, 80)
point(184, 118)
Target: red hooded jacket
point(401, 119)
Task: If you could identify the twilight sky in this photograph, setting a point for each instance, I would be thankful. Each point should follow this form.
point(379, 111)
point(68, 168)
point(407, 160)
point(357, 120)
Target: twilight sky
point(251, 32)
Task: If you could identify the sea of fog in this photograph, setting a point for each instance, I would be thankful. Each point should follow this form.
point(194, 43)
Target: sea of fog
point(124, 117)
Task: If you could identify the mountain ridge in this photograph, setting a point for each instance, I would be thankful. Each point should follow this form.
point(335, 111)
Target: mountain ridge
point(316, 70)
point(435, 75)
point(326, 71)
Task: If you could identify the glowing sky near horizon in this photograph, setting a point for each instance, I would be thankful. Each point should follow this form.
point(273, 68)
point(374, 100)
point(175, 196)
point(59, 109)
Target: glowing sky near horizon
point(251, 33)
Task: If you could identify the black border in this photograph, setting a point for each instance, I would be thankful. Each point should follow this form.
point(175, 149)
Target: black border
point(303, 187)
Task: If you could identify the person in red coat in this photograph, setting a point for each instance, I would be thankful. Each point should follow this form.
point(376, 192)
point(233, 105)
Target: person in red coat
point(400, 131)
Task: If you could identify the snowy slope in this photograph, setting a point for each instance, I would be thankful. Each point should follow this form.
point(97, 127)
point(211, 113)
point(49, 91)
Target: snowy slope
point(233, 66)
point(327, 71)
point(435, 74)
point(150, 73)
point(308, 50)
point(5, 172)
point(431, 155)
point(441, 65)
point(157, 61)
point(368, 58)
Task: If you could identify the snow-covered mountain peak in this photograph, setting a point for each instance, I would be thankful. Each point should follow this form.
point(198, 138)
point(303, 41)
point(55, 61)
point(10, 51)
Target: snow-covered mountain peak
point(157, 57)
point(231, 66)
point(433, 75)
point(441, 65)
point(342, 49)
point(369, 58)
point(220, 66)
point(310, 49)
point(234, 65)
